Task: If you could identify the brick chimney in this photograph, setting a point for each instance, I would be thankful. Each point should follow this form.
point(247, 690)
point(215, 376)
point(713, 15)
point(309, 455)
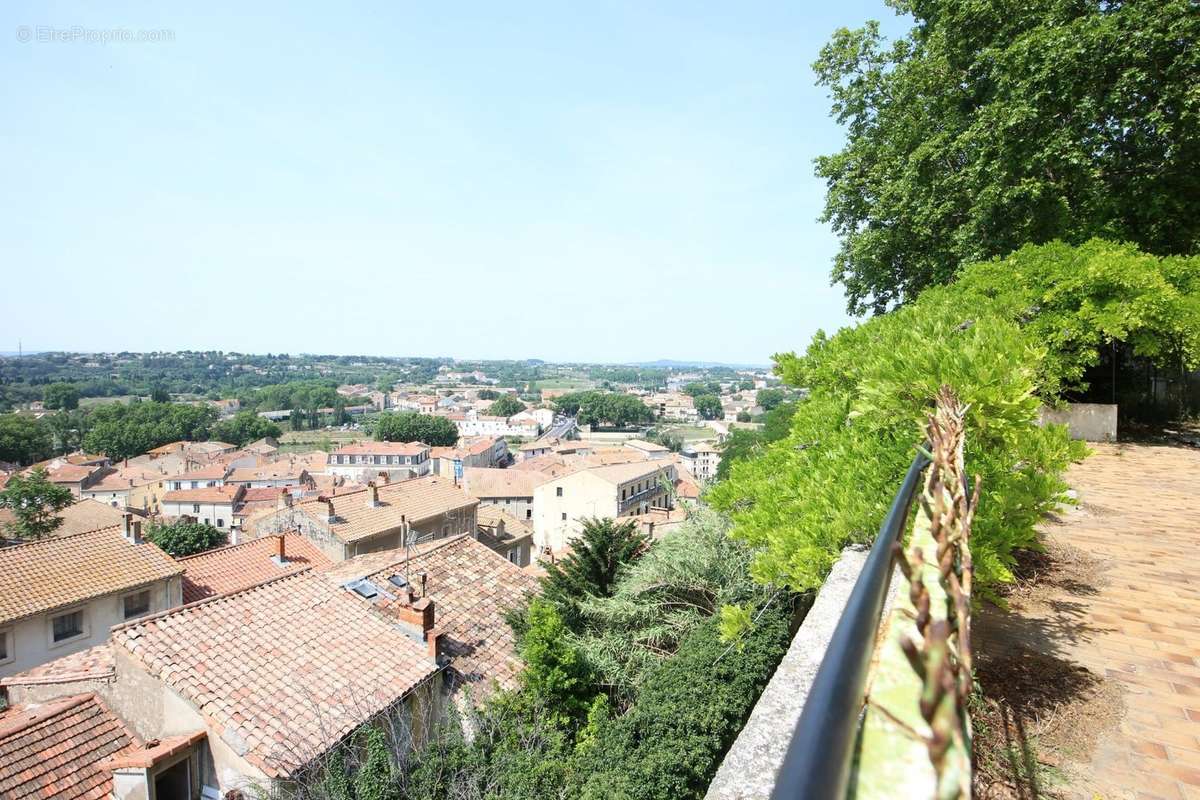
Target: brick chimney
point(330, 517)
point(284, 501)
point(132, 531)
point(278, 555)
point(372, 495)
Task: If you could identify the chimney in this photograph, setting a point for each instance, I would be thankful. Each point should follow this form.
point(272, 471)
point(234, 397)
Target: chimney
point(135, 534)
point(387, 477)
point(284, 501)
point(499, 529)
point(433, 639)
point(278, 554)
point(330, 517)
point(372, 495)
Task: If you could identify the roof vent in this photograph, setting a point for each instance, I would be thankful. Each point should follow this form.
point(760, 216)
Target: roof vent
point(398, 580)
point(363, 588)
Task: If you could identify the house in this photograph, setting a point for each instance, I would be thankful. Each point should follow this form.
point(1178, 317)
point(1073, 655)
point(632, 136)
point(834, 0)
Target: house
point(76, 477)
point(248, 689)
point(61, 595)
point(128, 487)
point(376, 517)
point(701, 460)
point(240, 566)
point(508, 489)
point(60, 749)
point(209, 477)
point(543, 417)
point(674, 406)
point(365, 461)
point(211, 506)
point(651, 450)
point(618, 490)
point(479, 452)
point(420, 403)
point(474, 424)
point(471, 587)
point(281, 473)
point(505, 534)
point(266, 446)
point(538, 447)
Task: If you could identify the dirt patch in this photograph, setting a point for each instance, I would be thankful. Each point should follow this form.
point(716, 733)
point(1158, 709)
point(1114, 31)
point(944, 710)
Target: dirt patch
point(1042, 576)
point(1037, 717)
point(1034, 718)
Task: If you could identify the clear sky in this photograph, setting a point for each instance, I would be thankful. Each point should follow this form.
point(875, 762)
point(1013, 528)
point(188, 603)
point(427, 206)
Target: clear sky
point(569, 181)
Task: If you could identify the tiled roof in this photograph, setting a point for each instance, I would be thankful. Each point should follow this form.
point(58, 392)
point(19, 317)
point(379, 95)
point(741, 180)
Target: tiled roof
point(79, 517)
point(415, 500)
point(213, 472)
point(472, 588)
point(282, 670)
point(90, 664)
point(211, 494)
point(125, 477)
point(620, 473)
point(646, 447)
point(280, 469)
point(55, 749)
point(57, 572)
point(69, 473)
point(514, 529)
point(382, 449)
point(490, 482)
point(240, 566)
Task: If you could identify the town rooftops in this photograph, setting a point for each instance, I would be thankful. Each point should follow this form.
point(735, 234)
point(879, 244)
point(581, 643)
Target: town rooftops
point(491, 482)
point(57, 749)
point(210, 472)
point(53, 573)
point(240, 566)
point(209, 494)
point(412, 501)
point(622, 473)
point(381, 449)
point(283, 670)
point(94, 663)
point(472, 588)
point(69, 473)
point(280, 470)
point(646, 447)
point(79, 517)
point(538, 444)
point(490, 517)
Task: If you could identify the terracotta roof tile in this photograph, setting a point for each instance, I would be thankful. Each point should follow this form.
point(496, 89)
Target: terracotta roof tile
point(240, 566)
point(282, 670)
point(382, 448)
point(490, 482)
point(210, 494)
point(90, 664)
point(57, 572)
point(416, 500)
point(55, 749)
point(471, 587)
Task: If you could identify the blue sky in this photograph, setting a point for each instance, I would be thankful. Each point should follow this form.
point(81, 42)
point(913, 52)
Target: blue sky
point(567, 181)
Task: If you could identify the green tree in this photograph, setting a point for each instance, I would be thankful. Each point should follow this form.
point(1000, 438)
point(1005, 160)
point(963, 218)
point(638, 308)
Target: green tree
point(408, 426)
point(124, 430)
point(184, 538)
point(615, 410)
point(487, 394)
point(743, 444)
point(770, 398)
point(744, 416)
point(245, 427)
point(23, 439)
point(506, 406)
point(708, 406)
point(160, 395)
point(35, 503)
point(603, 549)
point(375, 779)
point(555, 676)
point(61, 395)
point(991, 125)
point(296, 420)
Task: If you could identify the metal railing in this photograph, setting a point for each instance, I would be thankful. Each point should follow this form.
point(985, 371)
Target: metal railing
point(818, 761)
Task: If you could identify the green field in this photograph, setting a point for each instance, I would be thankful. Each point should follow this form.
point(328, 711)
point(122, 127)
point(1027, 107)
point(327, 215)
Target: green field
point(307, 441)
point(564, 383)
point(691, 433)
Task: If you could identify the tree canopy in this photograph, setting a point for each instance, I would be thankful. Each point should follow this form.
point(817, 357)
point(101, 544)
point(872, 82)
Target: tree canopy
point(992, 125)
point(409, 426)
point(181, 539)
point(35, 503)
point(23, 439)
point(63, 396)
point(615, 410)
point(244, 427)
point(506, 406)
point(122, 430)
point(708, 406)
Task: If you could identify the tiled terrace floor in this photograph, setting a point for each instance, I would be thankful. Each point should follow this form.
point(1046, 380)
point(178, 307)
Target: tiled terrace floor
point(1139, 516)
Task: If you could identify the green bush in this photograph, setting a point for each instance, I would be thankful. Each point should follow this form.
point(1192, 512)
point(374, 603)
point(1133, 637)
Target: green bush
point(181, 539)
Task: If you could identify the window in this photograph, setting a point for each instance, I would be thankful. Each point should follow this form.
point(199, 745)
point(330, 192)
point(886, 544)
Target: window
point(623, 493)
point(512, 556)
point(529, 513)
point(6, 649)
point(220, 522)
point(67, 626)
point(195, 508)
point(564, 516)
point(137, 604)
point(558, 491)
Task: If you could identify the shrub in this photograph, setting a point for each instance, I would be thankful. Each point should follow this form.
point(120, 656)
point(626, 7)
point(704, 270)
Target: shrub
point(181, 539)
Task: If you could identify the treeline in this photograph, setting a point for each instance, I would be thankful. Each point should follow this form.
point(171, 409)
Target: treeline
point(605, 409)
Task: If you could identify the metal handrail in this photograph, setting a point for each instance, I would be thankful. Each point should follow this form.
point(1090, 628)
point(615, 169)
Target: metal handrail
point(817, 764)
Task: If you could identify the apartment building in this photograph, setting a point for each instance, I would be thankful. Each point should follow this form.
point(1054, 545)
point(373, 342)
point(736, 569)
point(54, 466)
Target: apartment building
point(619, 490)
point(365, 461)
point(701, 460)
point(508, 489)
point(211, 506)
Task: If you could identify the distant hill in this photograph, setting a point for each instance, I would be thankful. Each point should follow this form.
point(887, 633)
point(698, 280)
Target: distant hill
point(667, 363)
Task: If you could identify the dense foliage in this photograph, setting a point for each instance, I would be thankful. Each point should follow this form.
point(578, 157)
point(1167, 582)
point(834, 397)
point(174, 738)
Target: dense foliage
point(409, 426)
point(121, 430)
point(506, 406)
point(23, 439)
point(63, 396)
point(602, 550)
point(992, 125)
point(745, 443)
point(35, 503)
point(1007, 336)
point(708, 406)
point(770, 398)
point(613, 410)
point(244, 427)
point(181, 539)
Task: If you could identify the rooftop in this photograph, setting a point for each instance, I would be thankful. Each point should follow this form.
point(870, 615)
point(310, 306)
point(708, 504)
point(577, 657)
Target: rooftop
point(490, 482)
point(284, 669)
point(42, 576)
point(382, 449)
point(414, 500)
point(56, 749)
point(210, 494)
point(472, 588)
point(240, 566)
